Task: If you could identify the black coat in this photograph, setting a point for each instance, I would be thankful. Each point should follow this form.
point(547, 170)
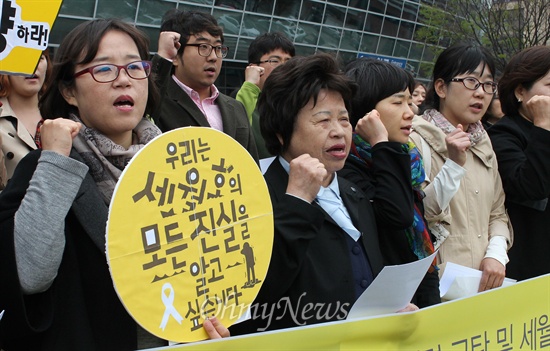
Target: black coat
point(81, 310)
point(393, 241)
point(523, 154)
point(311, 261)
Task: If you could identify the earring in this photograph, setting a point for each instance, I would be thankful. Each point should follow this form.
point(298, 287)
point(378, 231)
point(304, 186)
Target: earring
point(519, 100)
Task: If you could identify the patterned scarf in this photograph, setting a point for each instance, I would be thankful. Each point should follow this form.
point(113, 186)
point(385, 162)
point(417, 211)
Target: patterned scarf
point(418, 235)
point(107, 159)
point(475, 130)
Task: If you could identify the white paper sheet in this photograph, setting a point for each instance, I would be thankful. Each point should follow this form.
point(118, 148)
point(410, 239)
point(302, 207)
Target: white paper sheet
point(392, 290)
point(460, 281)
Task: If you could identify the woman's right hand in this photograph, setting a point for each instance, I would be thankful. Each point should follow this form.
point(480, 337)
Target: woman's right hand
point(538, 107)
point(58, 134)
point(458, 142)
point(371, 128)
point(306, 177)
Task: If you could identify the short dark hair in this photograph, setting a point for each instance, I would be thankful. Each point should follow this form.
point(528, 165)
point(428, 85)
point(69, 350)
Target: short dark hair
point(290, 87)
point(524, 68)
point(268, 42)
point(79, 47)
point(458, 59)
point(376, 80)
point(188, 23)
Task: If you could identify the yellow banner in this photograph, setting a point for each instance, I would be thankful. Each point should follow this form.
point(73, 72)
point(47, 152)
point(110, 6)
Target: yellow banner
point(512, 318)
point(190, 233)
point(24, 33)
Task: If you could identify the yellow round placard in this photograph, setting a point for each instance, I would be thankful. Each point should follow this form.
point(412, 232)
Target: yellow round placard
point(190, 233)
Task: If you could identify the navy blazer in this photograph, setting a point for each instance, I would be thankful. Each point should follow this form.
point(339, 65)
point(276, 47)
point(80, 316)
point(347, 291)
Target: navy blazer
point(177, 109)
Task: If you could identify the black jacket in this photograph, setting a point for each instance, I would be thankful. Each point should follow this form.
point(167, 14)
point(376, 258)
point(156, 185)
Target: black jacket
point(81, 310)
point(393, 241)
point(523, 154)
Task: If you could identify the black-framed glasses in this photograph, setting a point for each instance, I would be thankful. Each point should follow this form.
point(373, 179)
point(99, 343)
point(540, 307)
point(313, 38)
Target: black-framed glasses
point(108, 72)
point(206, 49)
point(272, 61)
point(472, 83)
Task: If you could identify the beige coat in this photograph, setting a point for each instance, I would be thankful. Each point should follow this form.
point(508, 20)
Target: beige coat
point(16, 143)
point(476, 212)
point(3, 176)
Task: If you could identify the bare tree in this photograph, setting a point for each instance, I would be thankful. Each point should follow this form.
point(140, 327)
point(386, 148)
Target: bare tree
point(504, 27)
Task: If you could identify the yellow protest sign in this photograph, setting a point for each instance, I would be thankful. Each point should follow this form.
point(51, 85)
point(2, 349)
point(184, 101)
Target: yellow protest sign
point(190, 233)
point(512, 318)
point(25, 29)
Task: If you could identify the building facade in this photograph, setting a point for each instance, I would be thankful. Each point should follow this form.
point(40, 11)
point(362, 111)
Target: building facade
point(348, 28)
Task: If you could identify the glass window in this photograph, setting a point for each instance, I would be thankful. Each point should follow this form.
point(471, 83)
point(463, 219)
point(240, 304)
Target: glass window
point(241, 49)
point(229, 21)
point(302, 50)
point(391, 25)
point(312, 34)
point(287, 8)
point(292, 29)
point(153, 35)
point(330, 37)
point(254, 25)
point(412, 67)
point(312, 11)
point(341, 2)
point(374, 23)
point(410, 11)
point(151, 12)
point(231, 43)
point(406, 30)
point(334, 15)
point(346, 57)
point(350, 40)
point(386, 46)
point(231, 77)
point(125, 10)
point(418, 27)
point(402, 48)
point(369, 43)
point(202, 8)
point(259, 6)
point(393, 8)
point(355, 19)
point(444, 41)
point(83, 8)
point(426, 70)
point(230, 4)
point(377, 6)
point(428, 55)
point(359, 4)
point(416, 51)
point(61, 28)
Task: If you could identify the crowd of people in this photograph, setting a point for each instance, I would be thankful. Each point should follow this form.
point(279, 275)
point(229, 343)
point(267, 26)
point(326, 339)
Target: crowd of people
point(371, 168)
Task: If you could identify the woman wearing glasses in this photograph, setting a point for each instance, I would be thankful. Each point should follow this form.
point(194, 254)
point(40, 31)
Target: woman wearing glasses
point(56, 287)
point(521, 141)
point(462, 89)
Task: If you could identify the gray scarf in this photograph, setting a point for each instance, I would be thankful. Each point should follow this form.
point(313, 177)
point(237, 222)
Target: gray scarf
point(107, 159)
point(475, 130)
